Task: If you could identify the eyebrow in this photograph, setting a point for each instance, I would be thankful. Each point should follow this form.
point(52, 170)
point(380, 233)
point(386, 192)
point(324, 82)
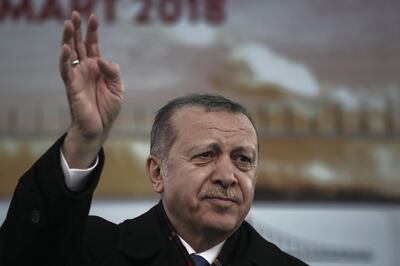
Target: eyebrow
point(216, 146)
point(246, 148)
point(195, 147)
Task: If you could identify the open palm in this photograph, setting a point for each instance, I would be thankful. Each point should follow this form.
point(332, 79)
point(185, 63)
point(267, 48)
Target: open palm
point(94, 86)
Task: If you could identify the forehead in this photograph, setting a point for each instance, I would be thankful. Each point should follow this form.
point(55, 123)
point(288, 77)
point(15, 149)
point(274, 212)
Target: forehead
point(195, 122)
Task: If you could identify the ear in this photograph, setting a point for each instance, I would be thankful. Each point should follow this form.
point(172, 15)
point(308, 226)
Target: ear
point(153, 165)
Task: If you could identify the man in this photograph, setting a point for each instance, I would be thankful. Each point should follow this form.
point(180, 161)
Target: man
point(203, 162)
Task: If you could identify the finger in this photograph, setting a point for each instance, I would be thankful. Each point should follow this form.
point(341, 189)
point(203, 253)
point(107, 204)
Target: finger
point(68, 38)
point(65, 64)
point(79, 45)
point(92, 37)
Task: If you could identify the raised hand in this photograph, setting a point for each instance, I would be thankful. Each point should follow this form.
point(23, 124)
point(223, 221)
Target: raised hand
point(94, 89)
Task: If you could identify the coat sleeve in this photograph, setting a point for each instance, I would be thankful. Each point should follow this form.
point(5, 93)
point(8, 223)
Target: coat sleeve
point(45, 220)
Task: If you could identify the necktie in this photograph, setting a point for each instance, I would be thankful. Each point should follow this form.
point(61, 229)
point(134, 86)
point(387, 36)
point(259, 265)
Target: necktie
point(199, 260)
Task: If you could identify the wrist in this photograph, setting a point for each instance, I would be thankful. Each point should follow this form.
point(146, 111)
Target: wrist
point(81, 151)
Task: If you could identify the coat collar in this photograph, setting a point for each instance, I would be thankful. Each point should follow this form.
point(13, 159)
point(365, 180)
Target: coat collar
point(253, 249)
point(143, 236)
point(148, 236)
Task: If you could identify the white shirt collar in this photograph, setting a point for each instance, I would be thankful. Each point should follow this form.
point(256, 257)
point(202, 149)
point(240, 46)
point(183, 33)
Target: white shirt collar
point(210, 254)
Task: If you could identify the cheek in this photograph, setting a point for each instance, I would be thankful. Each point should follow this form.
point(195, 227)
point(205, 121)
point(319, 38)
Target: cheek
point(247, 186)
point(183, 183)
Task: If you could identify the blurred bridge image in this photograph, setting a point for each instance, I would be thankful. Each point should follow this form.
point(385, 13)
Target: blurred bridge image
point(274, 119)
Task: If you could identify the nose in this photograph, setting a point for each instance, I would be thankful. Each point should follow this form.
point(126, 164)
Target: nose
point(224, 173)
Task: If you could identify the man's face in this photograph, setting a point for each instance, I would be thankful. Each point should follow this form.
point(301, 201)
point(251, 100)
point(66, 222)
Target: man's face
point(209, 175)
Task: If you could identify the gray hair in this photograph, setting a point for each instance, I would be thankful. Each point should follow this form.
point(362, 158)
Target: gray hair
point(163, 133)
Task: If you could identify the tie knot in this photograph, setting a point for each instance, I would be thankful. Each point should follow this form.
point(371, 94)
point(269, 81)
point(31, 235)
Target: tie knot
point(199, 260)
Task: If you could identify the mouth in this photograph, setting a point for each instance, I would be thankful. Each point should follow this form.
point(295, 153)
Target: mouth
point(221, 202)
point(221, 198)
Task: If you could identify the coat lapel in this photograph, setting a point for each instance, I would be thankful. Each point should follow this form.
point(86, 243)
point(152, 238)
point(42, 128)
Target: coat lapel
point(145, 238)
point(255, 250)
point(168, 256)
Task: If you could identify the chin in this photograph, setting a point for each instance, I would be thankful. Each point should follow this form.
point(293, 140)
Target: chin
point(221, 217)
point(221, 223)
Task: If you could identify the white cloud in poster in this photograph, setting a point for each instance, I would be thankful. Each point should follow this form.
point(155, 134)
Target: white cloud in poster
point(194, 35)
point(346, 97)
point(140, 150)
point(38, 148)
point(9, 147)
point(269, 67)
point(352, 99)
point(317, 170)
point(386, 162)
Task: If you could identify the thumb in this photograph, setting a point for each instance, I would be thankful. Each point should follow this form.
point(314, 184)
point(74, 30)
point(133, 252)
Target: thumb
point(110, 71)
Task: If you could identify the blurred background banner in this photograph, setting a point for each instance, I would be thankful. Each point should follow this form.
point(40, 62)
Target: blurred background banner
point(321, 79)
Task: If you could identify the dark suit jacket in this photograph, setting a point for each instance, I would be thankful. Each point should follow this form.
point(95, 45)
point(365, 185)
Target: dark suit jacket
point(47, 224)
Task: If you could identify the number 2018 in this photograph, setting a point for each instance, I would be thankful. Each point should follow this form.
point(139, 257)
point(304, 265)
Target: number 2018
point(171, 11)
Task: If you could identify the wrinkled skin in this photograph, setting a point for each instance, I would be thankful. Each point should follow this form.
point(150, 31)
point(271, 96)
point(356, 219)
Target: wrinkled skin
point(207, 182)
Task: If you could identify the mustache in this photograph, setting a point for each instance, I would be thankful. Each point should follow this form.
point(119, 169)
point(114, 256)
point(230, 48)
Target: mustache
point(220, 192)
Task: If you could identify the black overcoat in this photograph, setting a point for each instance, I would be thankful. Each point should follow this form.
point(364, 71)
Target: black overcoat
point(47, 224)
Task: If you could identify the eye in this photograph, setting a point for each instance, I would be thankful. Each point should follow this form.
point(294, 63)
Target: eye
point(243, 162)
point(242, 158)
point(206, 155)
point(204, 158)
